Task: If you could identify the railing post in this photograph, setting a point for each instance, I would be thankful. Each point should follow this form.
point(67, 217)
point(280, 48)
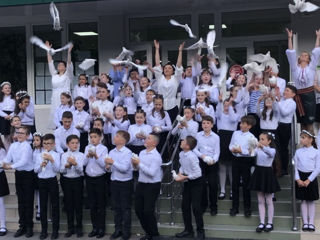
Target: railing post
point(293, 189)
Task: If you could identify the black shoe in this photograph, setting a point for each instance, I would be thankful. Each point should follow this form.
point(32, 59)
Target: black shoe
point(213, 212)
point(233, 212)
point(55, 235)
point(20, 232)
point(184, 234)
point(260, 228)
point(247, 212)
point(93, 233)
point(3, 232)
point(100, 234)
point(146, 237)
point(305, 227)
point(221, 196)
point(274, 199)
point(125, 238)
point(69, 233)
point(200, 235)
point(311, 228)
point(116, 235)
point(269, 227)
point(43, 235)
point(79, 233)
point(29, 233)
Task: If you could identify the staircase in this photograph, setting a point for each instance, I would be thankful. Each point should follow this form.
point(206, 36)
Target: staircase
point(220, 226)
point(170, 216)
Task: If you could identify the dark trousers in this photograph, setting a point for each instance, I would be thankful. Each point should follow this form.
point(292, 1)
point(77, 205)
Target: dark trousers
point(96, 189)
point(173, 113)
point(284, 135)
point(49, 187)
point(25, 192)
point(121, 193)
point(73, 193)
point(241, 167)
point(145, 202)
point(210, 179)
point(255, 130)
point(83, 141)
point(191, 197)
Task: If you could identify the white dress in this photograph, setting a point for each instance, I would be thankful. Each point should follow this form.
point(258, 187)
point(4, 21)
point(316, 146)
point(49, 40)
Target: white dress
point(60, 84)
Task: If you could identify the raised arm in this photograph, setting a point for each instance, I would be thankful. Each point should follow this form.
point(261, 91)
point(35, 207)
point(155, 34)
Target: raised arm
point(290, 43)
point(69, 54)
point(179, 60)
point(157, 53)
point(48, 54)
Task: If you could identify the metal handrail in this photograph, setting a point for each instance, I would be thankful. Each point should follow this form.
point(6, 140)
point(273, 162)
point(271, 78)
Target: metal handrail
point(293, 180)
point(170, 132)
point(168, 138)
point(169, 184)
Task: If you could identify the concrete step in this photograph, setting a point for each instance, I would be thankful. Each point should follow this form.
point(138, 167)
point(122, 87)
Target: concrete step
point(280, 220)
point(217, 231)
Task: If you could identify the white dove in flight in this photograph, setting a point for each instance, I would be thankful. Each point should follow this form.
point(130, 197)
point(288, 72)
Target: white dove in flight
point(125, 54)
point(266, 61)
point(55, 16)
point(127, 62)
point(87, 63)
point(211, 37)
point(37, 41)
point(185, 26)
point(302, 6)
point(198, 45)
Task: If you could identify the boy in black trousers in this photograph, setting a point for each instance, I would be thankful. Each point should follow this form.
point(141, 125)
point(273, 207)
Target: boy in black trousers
point(119, 163)
point(72, 170)
point(95, 155)
point(243, 160)
point(47, 166)
point(190, 174)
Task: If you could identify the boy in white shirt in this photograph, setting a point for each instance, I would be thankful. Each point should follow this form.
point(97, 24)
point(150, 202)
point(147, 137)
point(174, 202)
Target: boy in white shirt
point(47, 166)
point(241, 164)
point(72, 170)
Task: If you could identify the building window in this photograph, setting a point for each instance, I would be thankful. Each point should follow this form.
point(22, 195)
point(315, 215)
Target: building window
point(206, 24)
point(43, 84)
point(236, 56)
point(173, 57)
point(150, 28)
point(256, 22)
point(13, 57)
point(85, 40)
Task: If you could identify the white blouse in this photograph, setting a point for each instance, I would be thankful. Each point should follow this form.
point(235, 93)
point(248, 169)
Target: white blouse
point(8, 104)
point(303, 77)
point(156, 120)
point(82, 91)
point(134, 130)
point(208, 110)
point(307, 159)
point(168, 88)
point(227, 121)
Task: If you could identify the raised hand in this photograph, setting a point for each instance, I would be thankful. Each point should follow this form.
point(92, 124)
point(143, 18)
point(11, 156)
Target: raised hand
point(70, 48)
point(289, 32)
point(48, 44)
point(181, 46)
point(156, 44)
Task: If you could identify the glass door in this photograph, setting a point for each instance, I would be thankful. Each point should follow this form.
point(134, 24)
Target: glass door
point(143, 54)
